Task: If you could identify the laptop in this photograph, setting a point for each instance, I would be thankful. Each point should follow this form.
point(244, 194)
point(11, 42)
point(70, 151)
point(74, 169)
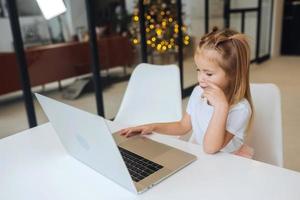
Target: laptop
point(136, 163)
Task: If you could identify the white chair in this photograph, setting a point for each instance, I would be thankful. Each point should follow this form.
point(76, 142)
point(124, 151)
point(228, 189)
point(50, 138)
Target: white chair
point(153, 95)
point(266, 131)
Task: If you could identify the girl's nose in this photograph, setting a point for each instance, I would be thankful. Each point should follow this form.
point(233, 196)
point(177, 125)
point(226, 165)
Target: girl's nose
point(202, 79)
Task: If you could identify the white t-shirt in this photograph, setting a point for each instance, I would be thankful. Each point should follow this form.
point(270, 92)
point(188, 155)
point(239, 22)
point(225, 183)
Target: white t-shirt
point(201, 113)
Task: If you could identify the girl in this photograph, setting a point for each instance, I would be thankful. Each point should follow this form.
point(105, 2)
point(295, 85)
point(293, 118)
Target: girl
point(220, 107)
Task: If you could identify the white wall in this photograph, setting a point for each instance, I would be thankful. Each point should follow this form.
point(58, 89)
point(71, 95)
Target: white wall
point(28, 8)
point(76, 15)
point(6, 37)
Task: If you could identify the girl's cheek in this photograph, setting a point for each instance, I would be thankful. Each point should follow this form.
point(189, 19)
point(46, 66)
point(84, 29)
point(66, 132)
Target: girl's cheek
point(199, 78)
point(209, 79)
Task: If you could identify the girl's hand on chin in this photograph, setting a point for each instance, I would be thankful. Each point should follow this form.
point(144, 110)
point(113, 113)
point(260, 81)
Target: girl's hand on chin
point(215, 95)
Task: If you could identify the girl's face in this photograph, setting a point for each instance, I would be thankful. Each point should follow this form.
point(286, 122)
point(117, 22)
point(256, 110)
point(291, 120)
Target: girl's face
point(208, 70)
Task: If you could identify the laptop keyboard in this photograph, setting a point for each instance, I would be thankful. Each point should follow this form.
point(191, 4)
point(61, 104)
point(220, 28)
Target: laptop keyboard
point(138, 167)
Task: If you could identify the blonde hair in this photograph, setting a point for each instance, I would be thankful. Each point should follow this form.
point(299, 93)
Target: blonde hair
point(234, 59)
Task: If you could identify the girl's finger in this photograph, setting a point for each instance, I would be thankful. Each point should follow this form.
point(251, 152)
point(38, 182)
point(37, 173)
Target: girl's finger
point(211, 84)
point(206, 93)
point(131, 133)
point(208, 90)
point(136, 129)
point(146, 133)
point(125, 133)
point(211, 88)
point(128, 133)
point(143, 133)
point(122, 131)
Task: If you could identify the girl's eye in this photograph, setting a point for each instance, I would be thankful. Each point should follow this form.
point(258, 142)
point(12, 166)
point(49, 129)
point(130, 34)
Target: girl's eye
point(198, 70)
point(209, 74)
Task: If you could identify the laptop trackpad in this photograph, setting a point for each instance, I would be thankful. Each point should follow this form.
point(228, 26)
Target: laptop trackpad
point(145, 147)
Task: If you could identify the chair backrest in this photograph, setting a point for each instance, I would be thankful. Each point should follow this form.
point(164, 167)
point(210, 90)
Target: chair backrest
point(266, 131)
point(153, 95)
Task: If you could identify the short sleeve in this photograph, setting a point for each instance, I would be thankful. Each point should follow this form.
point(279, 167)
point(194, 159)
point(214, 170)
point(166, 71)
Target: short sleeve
point(238, 119)
point(192, 99)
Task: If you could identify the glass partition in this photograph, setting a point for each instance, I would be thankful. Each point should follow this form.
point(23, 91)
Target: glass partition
point(236, 21)
point(118, 53)
point(253, 12)
point(58, 61)
point(216, 14)
point(194, 19)
point(13, 116)
point(243, 17)
point(243, 4)
point(251, 21)
point(161, 27)
point(265, 28)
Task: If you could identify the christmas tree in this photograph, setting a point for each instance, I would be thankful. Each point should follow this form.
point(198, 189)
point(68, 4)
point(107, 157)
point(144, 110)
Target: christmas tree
point(161, 26)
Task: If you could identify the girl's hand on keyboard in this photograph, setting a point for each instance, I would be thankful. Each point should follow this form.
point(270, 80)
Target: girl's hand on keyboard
point(143, 130)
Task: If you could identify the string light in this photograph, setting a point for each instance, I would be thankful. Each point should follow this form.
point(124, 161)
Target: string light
point(135, 18)
point(135, 41)
point(161, 26)
point(158, 47)
point(158, 31)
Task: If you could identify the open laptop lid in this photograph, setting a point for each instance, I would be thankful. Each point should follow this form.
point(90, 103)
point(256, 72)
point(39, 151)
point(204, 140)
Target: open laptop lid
point(87, 138)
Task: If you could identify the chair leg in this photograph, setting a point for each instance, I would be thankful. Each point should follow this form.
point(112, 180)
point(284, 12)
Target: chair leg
point(59, 85)
point(43, 88)
point(125, 70)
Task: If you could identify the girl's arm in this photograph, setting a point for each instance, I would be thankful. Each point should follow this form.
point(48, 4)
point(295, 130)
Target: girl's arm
point(216, 136)
point(172, 128)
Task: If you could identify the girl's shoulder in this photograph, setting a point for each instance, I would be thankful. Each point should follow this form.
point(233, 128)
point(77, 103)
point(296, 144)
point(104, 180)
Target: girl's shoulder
point(243, 104)
point(197, 91)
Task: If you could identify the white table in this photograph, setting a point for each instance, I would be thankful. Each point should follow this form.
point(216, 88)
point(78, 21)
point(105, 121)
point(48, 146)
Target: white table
point(35, 166)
